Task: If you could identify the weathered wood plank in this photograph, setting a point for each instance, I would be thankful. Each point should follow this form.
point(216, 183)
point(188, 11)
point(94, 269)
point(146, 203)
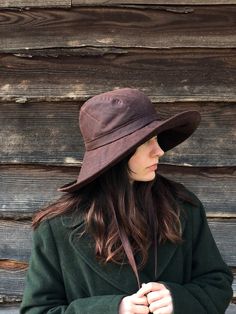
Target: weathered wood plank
point(48, 133)
point(8, 309)
point(69, 3)
point(26, 189)
point(224, 234)
point(42, 132)
point(12, 285)
point(231, 309)
point(165, 75)
point(32, 3)
point(160, 27)
point(13, 282)
point(16, 233)
point(15, 310)
point(215, 187)
point(15, 242)
point(16, 239)
point(153, 2)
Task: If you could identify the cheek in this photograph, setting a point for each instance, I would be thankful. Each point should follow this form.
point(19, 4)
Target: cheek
point(136, 163)
point(131, 163)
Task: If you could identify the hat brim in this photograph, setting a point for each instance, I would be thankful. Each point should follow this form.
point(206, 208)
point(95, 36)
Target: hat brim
point(171, 132)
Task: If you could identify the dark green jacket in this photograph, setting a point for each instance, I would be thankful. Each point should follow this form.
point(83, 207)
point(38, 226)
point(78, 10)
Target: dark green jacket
point(64, 276)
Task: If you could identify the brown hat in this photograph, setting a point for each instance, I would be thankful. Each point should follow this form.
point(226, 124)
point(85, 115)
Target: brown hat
point(115, 123)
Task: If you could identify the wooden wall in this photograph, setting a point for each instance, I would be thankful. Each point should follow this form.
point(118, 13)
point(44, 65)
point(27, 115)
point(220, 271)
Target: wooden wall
point(56, 54)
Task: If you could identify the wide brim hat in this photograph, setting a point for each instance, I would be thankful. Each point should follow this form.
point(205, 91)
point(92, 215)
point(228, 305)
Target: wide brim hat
point(115, 123)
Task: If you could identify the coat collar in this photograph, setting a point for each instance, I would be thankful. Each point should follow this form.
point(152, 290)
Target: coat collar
point(83, 245)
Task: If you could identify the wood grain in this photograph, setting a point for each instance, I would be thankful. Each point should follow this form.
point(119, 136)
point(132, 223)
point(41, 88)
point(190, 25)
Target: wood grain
point(9, 309)
point(48, 133)
point(69, 55)
point(12, 285)
point(225, 237)
point(165, 75)
point(16, 233)
point(13, 282)
point(15, 310)
point(70, 3)
point(156, 27)
point(153, 2)
point(215, 187)
point(25, 189)
point(33, 3)
point(17, 240)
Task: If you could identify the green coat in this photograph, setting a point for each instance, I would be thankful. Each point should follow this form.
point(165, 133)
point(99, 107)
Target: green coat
point(64, 276)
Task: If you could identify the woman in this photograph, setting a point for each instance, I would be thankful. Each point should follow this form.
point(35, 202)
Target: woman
point(124, 239)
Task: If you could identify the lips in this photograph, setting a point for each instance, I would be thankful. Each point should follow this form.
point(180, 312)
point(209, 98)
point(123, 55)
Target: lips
point(153, 167)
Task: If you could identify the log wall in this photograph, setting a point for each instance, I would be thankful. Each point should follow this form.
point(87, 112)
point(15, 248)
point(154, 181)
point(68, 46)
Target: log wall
point(56, 54)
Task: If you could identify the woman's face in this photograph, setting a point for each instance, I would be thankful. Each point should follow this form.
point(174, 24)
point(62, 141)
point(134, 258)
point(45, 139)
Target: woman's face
point(143, 163)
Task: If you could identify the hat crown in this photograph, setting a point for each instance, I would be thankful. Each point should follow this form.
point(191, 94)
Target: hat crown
point(109, 116)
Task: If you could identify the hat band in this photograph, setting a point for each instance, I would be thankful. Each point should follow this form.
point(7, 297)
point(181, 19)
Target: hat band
point(119, 133)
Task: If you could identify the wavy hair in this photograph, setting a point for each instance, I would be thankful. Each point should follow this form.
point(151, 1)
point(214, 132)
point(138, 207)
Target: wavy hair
point(124, 219)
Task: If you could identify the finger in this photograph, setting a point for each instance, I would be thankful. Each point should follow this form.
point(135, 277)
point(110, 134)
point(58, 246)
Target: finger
point(140, 309)
point(127, 305)
point(164, 310)
point(164, 302)
point(151, 286)
point(139, 300)
point(142, 291)
point(157, 295)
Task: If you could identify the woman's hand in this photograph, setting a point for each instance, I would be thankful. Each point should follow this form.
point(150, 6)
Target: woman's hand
point(134, 304)
point(158, 297)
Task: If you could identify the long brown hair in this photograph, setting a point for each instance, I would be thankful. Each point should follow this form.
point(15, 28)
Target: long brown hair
point(124, 219)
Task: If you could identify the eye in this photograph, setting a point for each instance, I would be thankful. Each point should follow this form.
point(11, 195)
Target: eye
point(151, 140)
point(154, 139)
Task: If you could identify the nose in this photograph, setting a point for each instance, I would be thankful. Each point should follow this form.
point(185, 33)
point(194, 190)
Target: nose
point(157, 150)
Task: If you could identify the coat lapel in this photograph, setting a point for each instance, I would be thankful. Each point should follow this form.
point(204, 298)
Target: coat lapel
point(113, 273)
point(166, 251)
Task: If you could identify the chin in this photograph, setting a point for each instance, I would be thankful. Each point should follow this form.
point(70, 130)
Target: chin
point(147, 178)
point(152, 178)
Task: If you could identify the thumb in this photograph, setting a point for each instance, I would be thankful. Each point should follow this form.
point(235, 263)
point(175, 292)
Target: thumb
point(141, 292)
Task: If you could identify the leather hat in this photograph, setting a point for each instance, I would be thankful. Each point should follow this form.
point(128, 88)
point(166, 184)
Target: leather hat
point(115, 123)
